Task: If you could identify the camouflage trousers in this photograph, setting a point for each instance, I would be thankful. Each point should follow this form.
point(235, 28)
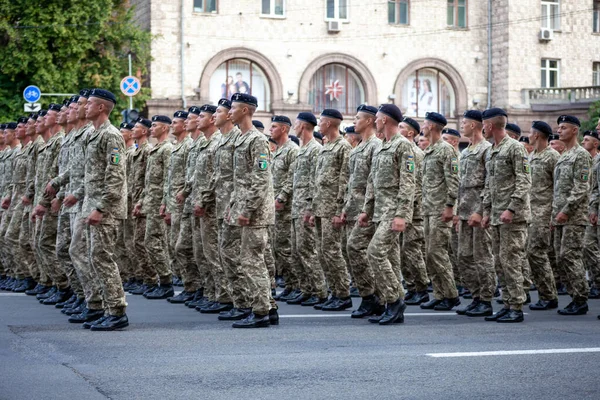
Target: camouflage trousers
point(173, 236)
point(210, 234)
point(124, 248)
point(568, 245)
point(17, 240)
point(414, 271)
point(184, 255)
point(141, 260)
point(358, 243)
point(538, 247)
point(591, 254)
point(44, 278)
point(453, 255)
point(156, 242)
point(304, 247)
point(476, 261)
point(6, 264)
point(46, 243)
point(387, 281)
point(508, 247)
point(439, 268)
point(282, 246)
point(270, 256)
point(332, 260)
point(256, 287)
point(63, 241)
point(558, 272)
point(79, 252)
point(206, 276)
point(231, 242)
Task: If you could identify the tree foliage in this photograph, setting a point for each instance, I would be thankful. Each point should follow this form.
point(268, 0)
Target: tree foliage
point(63, 46)
point(594, 114)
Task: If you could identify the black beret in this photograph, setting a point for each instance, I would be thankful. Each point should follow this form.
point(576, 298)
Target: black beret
point(294, 139)
point(180, 114)
point(244, 98)
point(413, 124)
point(66, 102)
point(543, 127)
point(282, 119)
point(33, 116)
point(524, 139)
point(593, 134)
point(42, 113)
point(126, 125)
point(2, 126)
point(257, 124)
point(161, 118)
point(54, 107)
point(332, 113)
point(318, 135)
point(146, 122)
point(22, 120)
point(350, 129)
point(475, 115)
point(224, 103)
point(437, 118)
point(367, 109)
point(450, 131)
point(514, 128)
point(307, 117)
point(103, 94)
point(553, 136)
point(493, 112)
point(209, 108)
point(11, 125)
point(84, 93)
point(569, 119)
point(392, 111)
point(74, 99)
point(194, 110)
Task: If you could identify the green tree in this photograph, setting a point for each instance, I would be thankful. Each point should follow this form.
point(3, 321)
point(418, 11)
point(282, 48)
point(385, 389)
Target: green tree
point(594, 114)
point(63, 46)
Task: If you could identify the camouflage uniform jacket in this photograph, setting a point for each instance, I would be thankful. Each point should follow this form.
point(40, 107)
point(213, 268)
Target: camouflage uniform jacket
point(157, 171)
point(508, 182)
point(595, 186)
point(190, 171)
point(176, 175)
point(8, 171)
point(440, 178)
point(221, 181)
point(105, 175)
point(571, 186)
point(47, 168)
point(418, 201)
point(542, 184)
point(4, 154)
point(472, 180)
point(303, 185)
point(31, 171)
point(204, 172)
point(359, 167)
point(19, 178)
point(331, 178)
point(139, 162)
point(129, 168)
point(252, 195)
point(284, 163)
point(391, 185)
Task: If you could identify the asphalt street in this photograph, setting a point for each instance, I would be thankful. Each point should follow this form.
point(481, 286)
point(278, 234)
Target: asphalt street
point(172, 352)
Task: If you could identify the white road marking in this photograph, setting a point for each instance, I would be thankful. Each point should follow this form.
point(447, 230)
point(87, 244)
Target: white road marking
point(348, 315)
point(514, 352)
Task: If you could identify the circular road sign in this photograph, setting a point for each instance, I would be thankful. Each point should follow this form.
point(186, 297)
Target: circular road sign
point(32, 93)
point(130, 86)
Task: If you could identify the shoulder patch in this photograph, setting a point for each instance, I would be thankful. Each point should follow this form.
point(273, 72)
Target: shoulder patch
point(526, 167)
point(410, 164)
point(263, 161)
point(585, 174)
point(454, 165)
point(115, 157)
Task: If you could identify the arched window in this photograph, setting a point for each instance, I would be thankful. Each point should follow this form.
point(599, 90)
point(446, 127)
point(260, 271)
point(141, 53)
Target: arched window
point(336, 86)
point(244, 76)
point(428, 89)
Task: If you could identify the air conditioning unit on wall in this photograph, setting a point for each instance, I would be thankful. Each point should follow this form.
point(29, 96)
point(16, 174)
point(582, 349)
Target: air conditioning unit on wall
point(546, 35)
point(334, 26)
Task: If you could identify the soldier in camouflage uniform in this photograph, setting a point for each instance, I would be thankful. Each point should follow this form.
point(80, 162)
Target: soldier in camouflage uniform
point(389, 203)
point(506, 208)
point(542, 161)
point(475, 259)
point(569, 213)
point(359, 166)
point(156, 239)
point(591, 251)
point(593, 211)
point(440, 191)
point(125, 238)
point(252, 212)
point(4, 268)
point(325, 209)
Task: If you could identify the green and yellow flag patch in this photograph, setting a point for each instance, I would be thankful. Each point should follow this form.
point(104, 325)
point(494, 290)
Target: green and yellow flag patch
point(526, 167)
point(115, 157)
point(410, 164)
point(585, 174)
point(263, 162)
point(454, 165)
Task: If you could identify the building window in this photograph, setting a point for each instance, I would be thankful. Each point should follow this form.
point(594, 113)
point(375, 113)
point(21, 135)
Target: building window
point(550, 73)
point(426, 90)
point(551, 14)
point(398, 12)
point(336, 86)
point(205, 6)
point(596, 15)
point(457, 13)
point(337, 10)
point(273, 8)
point(596, 78)
point(243, 76)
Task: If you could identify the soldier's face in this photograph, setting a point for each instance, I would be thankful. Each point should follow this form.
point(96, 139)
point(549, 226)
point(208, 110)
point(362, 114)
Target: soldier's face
point(362, 122)
point(589, 143)
point(40, 126)
point(158, 129)
point(453, 140)
point(557, 145)
point(379, 122)
point(566, 132)
point(277, 131)
point(423, 142)
point(50, 119)
point(466, 127)
point(21, 129)
point(237, 112)
point(191, 123)
point(93, 108)
point(72, 113)
point(221, 116)
point(62, 116)
point(177, 126)
point(9, 136)
point(404, 130)
point(427, 128)
point(31, 124)
point(126, 133)
point(204, 120)
point(487, 129)
point(138, 131)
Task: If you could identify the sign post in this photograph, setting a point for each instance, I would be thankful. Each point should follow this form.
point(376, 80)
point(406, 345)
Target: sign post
point(32, 94)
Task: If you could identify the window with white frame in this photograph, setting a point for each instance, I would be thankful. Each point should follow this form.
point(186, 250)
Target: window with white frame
point(205, 6)
point(596, 76)
point(398, 12)
point(337, 10)
point(551, 14)
point(273, 8)
point(550, 73)
point(457, 13)
point(596, 16)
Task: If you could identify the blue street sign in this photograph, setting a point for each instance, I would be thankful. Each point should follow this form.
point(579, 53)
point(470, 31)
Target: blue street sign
point(32, 93)
point(130, 86)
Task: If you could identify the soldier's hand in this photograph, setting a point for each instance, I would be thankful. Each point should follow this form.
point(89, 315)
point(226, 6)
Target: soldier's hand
point(25, 200)
point(279, 206)
point(311, 221)
point(398, 224)
point(6, 203)
point(39, 211)
point(337, 222)
point(168, 218)
point(50, 191)
point(485, 222)
point(561, 218)
point(180, 198)
point(506, 217)
point(243, 221)
point(199, 211)
point(344, 217)
point(136, 210)
point(363, 220)
point(161, 210)
point(593, 219)
point(55, 205)
point(306, 218)
point(70, 201)
point(474, 220)
point(94, 218)
point(447, 214)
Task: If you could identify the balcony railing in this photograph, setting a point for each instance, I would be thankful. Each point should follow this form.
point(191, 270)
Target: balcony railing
point(563, 95)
